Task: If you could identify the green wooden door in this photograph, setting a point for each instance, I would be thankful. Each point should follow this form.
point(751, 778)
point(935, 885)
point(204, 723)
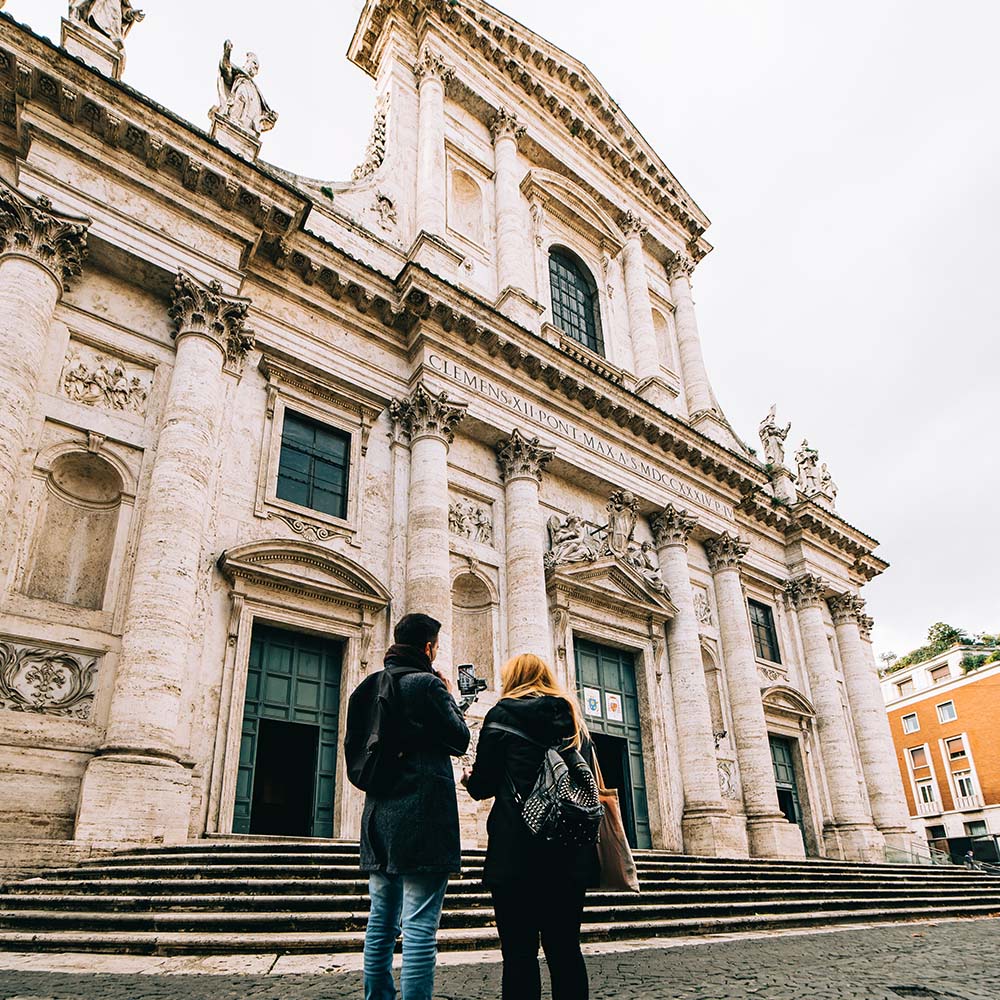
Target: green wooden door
point(292, 678)
point(785, 781)
point(607, 688)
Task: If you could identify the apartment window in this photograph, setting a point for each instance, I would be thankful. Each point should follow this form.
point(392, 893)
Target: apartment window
point(955, 747)
point(911, 724)
point(925, 792)
point(937, 833)
point(574, 299)
point(977, 828)
point(940, 674)
point(918, 757)
point(765, 637)
point(904, 687)
point(964, 784)
point(314, 465)
point(946, 712)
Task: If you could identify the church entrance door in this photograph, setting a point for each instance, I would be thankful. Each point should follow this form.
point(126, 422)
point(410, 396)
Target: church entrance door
point(607, 687)
point(785, 781)
point(288, 749)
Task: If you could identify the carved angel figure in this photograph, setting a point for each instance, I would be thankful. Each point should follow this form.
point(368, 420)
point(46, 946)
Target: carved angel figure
point(570, 541)
point(112, 18)
point(240, 99)
point(772, 437)
point(807, 459)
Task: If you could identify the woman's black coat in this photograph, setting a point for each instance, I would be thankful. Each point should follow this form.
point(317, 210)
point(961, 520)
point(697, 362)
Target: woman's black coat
point(413, 829)
point(513, 853)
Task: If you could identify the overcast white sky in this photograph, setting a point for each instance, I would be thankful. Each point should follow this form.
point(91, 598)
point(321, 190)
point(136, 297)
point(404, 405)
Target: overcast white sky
point(848, 156)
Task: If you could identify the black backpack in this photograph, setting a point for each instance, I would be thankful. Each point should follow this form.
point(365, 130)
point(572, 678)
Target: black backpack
point(564, 806)
point(370, 747)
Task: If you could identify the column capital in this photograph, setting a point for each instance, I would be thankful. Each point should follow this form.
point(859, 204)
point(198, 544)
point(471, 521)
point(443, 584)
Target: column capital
point(846, 608)
point(206, 311)
point(726, 551)
point(521, 457)
point(806, 591)
point(681, 265)
point(431, 66)
point(632, 225)
point(425, 413)
point(672, 526)
point(505, 125)
point(865, 625)
point(31, 228)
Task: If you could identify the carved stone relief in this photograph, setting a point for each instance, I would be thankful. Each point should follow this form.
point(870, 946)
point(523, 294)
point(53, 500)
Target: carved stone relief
point(471, 520)
point(703, 607)
point(104, 381)
point(728, 784)
point(308, 529)
point(375, 151)
point(46, 681)
point(385, 208)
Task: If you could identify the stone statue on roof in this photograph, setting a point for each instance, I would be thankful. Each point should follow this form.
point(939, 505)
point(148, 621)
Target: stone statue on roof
point(807, 460)
point(772, 437)
point(112, 18)
point(240, 99)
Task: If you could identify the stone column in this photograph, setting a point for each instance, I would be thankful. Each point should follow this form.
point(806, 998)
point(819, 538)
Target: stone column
point(705, 825)
point(849, 833)
point(432, 74)
point(697, 389)
point(770, 834)
point(136, 788)
point(521, 461)
point(40, 250)
point(429, 419)
point(640, 310)
point(871, 726)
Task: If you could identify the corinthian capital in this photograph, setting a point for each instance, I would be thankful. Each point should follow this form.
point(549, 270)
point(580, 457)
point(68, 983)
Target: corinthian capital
point(504, 124)
point(865, 625)
point(204, 310)
point(846, 608)
point(726, 551)
point(425, 413)
point(806, 591)
point(521, 457)
point(631, 225)
point(431, 66)
point(672, 526)
point(31, 228)
point(680, 266)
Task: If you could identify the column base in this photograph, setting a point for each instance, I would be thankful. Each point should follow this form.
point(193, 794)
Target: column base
point(134, 798)
point(712, 832)
point(82, 41)
point(774, 837)
point(235, 139)
point(519, 306)
point(854, 842)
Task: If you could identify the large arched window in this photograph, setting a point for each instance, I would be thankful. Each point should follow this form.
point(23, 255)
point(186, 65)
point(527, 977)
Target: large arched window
point(575, 307)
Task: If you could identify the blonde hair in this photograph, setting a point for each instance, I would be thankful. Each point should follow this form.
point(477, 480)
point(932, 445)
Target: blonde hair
point(528, 675)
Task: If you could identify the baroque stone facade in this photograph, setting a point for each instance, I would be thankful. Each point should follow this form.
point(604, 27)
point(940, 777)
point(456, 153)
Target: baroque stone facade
point(269, 415)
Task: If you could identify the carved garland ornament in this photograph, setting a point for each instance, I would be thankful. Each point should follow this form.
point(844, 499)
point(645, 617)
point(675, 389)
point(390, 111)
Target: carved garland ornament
point(31, 228)
point(47, 681)
point(672, 526)
point(428, 413)
point(727, 551)
point(521, 457)
point(205, 310)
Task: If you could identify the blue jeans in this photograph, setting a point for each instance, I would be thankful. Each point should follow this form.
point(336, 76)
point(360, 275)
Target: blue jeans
point(411, 903)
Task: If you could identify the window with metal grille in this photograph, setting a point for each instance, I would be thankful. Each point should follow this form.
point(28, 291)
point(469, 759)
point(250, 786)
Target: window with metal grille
point(765, 638)
point(574, 300)
point(314, 465)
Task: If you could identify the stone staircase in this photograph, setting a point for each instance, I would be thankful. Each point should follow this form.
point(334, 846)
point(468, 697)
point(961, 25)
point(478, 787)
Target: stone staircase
point(259, 896)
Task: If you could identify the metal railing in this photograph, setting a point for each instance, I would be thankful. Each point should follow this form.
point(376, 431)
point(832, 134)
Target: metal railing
point(897, 856)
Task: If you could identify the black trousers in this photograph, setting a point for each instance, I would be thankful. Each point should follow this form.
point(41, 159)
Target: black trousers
point(551, 912)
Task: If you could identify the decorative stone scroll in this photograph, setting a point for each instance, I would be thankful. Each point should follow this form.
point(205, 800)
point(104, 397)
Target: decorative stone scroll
point(46, 681)
point(846, 608)
point(426, 413)
point(807, 590)
point(106, 382)
point(205, 310)
point(727, 551)
point(32, 228)
point(672, 526)
point(505, 125)
point(375, 151)
point(471, 520)
point(431, 66)
point(522, 457)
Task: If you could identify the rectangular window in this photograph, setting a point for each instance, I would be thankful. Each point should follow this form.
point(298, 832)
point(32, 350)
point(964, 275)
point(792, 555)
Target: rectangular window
point(940, 674)
point(314, 465)
point(765, 637)
point(946, 712)
point(936, 833)
point(977, 828)
point(955, 747)
point(918, 757)
point(964, 784)
point(925, 792)
point(911, 724)
point(905, 687)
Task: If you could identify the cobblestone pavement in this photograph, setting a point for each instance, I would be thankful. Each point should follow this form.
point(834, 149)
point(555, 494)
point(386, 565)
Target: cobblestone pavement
point(947, 961)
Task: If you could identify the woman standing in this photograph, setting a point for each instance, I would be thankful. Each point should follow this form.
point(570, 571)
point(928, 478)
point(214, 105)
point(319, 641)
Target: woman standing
point(537, 887)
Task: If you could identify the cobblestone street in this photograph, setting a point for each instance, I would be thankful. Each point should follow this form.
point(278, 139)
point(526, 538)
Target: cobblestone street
point(946, 961)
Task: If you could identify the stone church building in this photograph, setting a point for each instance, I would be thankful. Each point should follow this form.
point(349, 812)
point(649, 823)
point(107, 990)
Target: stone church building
point(248, 419)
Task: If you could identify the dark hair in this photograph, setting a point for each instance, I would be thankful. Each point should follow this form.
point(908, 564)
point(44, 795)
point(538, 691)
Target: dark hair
point(416, 630)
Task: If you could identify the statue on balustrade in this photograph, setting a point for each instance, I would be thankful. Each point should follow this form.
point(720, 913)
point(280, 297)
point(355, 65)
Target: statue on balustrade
point(772, 437)
point(240, 99)
point(112, 18)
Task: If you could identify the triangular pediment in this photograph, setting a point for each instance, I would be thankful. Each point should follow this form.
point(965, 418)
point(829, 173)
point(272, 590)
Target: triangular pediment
point(614, 585)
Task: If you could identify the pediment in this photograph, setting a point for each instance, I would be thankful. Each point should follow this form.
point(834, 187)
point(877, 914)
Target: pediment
point(782, 698)
point(304, 567)
point(582, 212)
point(608, 583)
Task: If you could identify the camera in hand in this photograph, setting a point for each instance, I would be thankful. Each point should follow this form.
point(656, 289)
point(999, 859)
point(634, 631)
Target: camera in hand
point(469, 685)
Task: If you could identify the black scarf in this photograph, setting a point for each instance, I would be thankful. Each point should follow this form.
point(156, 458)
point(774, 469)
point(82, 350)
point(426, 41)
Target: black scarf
point(408, 656)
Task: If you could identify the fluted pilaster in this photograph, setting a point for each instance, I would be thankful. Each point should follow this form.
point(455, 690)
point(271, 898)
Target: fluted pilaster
point(432, 73)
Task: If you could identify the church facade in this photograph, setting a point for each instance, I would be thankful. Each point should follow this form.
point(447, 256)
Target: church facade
point(248, 419)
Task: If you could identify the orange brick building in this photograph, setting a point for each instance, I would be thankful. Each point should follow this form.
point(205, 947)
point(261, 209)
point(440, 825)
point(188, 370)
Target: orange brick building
point(944, 724)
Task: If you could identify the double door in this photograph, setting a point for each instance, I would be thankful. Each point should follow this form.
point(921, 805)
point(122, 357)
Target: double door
point(785, 781)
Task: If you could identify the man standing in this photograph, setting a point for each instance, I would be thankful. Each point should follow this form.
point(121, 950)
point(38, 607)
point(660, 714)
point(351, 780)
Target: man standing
point(410, 841)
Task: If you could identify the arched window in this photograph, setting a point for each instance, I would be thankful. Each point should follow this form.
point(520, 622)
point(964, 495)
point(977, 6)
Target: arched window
point(574, 299)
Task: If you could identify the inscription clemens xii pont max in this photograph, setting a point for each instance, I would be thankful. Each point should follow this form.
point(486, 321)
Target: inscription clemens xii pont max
point(484, 387)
